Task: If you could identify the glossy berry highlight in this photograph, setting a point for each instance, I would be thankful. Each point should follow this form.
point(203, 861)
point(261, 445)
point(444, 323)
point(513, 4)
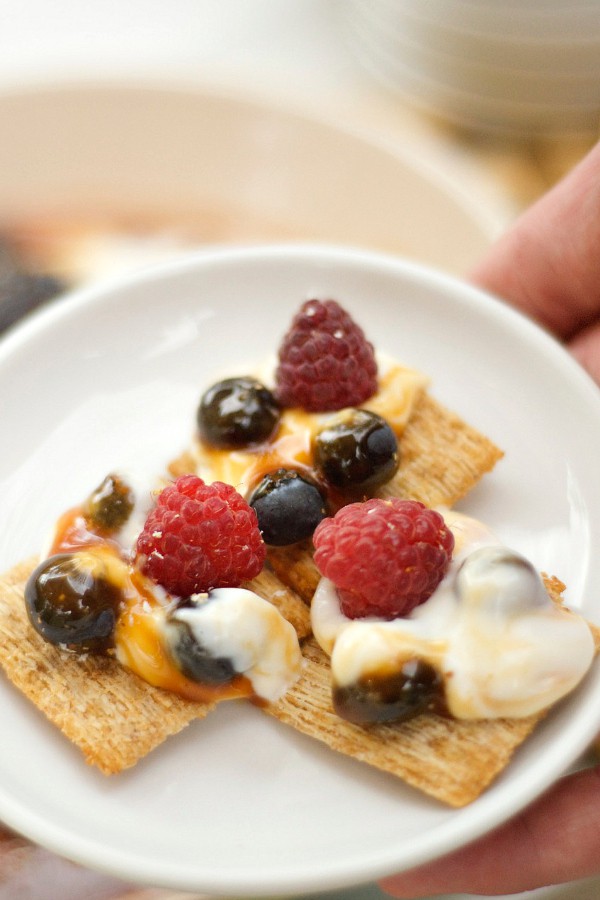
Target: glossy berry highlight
point(357, 452)
point(237, 412)
point(70, 605)
point(289, 506)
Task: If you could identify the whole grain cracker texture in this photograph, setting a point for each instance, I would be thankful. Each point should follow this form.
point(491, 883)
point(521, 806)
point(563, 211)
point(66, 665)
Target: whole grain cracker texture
point(449, 759)
point(114, 717)
point(452, 760)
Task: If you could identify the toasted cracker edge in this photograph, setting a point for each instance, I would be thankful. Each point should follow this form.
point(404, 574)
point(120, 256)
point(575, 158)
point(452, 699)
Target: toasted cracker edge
point(113, 716)
point(452, 760)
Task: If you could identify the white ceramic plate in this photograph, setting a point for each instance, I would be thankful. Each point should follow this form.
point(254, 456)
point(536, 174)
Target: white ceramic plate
point(218, 168)
point(111, 376)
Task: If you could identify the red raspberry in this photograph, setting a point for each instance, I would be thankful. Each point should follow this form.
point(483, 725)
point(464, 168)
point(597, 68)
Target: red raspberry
point(384, 556)
point(200, 536)
point(325, 360)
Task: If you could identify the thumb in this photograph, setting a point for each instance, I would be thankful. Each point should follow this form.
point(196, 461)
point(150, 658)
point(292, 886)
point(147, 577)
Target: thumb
point(585, 347)
point(555, 840)
point(548, 263)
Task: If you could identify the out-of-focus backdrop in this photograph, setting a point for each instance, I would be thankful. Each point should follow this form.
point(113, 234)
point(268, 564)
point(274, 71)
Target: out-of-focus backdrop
point(463, 93)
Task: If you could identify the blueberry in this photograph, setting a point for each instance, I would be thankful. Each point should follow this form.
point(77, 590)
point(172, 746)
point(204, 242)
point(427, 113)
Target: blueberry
point(358, 452)
point(237, 412)
point(110, 505)
point(391, 698)
point(67, 604)
point(189, 655)
point(288, 506)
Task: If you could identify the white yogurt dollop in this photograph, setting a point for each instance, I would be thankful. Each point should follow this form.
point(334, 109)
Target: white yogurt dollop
point(144, 489)
point(502, 647)
point(238, 625)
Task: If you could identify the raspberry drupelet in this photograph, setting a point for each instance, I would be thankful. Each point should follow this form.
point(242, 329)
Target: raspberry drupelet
point(325, 360)
point(385, 557)
point(199, 537)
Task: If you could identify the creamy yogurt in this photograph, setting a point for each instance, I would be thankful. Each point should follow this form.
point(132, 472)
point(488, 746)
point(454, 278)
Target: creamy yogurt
point(501, 646)
point(237, 625)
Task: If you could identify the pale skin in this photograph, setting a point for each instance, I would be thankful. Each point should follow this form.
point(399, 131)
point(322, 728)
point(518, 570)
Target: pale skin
point(547, 265)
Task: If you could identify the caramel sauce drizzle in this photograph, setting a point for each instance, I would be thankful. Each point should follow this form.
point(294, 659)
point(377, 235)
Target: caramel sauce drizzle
point(137, 634)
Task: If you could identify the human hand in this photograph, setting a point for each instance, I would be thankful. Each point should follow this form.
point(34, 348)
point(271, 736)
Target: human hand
point(553, 841)
point(547, 265)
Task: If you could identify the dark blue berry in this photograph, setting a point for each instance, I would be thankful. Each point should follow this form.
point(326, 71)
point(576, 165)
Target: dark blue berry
point(358, 452)
point(237, 412)
point(68, 605)
point(191, 658)
point(108, 507)
point(417, 687)
point(288, 506)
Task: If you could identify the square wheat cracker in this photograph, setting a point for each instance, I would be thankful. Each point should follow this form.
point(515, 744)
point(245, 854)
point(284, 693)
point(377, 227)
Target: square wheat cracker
point(441, 460)
point(115, 718)
point(112, 715)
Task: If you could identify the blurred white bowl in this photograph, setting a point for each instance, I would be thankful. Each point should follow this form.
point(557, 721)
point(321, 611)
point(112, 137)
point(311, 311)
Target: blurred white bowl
point(481, 111)
point(497, 78)
point(216, 166)
point(481, 80)
point(534, 20)
point(557, 55)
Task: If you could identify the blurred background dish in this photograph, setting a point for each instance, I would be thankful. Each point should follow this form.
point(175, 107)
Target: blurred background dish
point(193, 167)
point(536, 20)
point(527, 69)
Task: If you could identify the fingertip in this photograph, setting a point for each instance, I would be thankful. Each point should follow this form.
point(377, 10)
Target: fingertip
point(586, 350)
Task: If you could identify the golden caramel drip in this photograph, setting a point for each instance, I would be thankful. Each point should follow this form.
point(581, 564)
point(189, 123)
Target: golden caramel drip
point(292, 446)
point(137, 633)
